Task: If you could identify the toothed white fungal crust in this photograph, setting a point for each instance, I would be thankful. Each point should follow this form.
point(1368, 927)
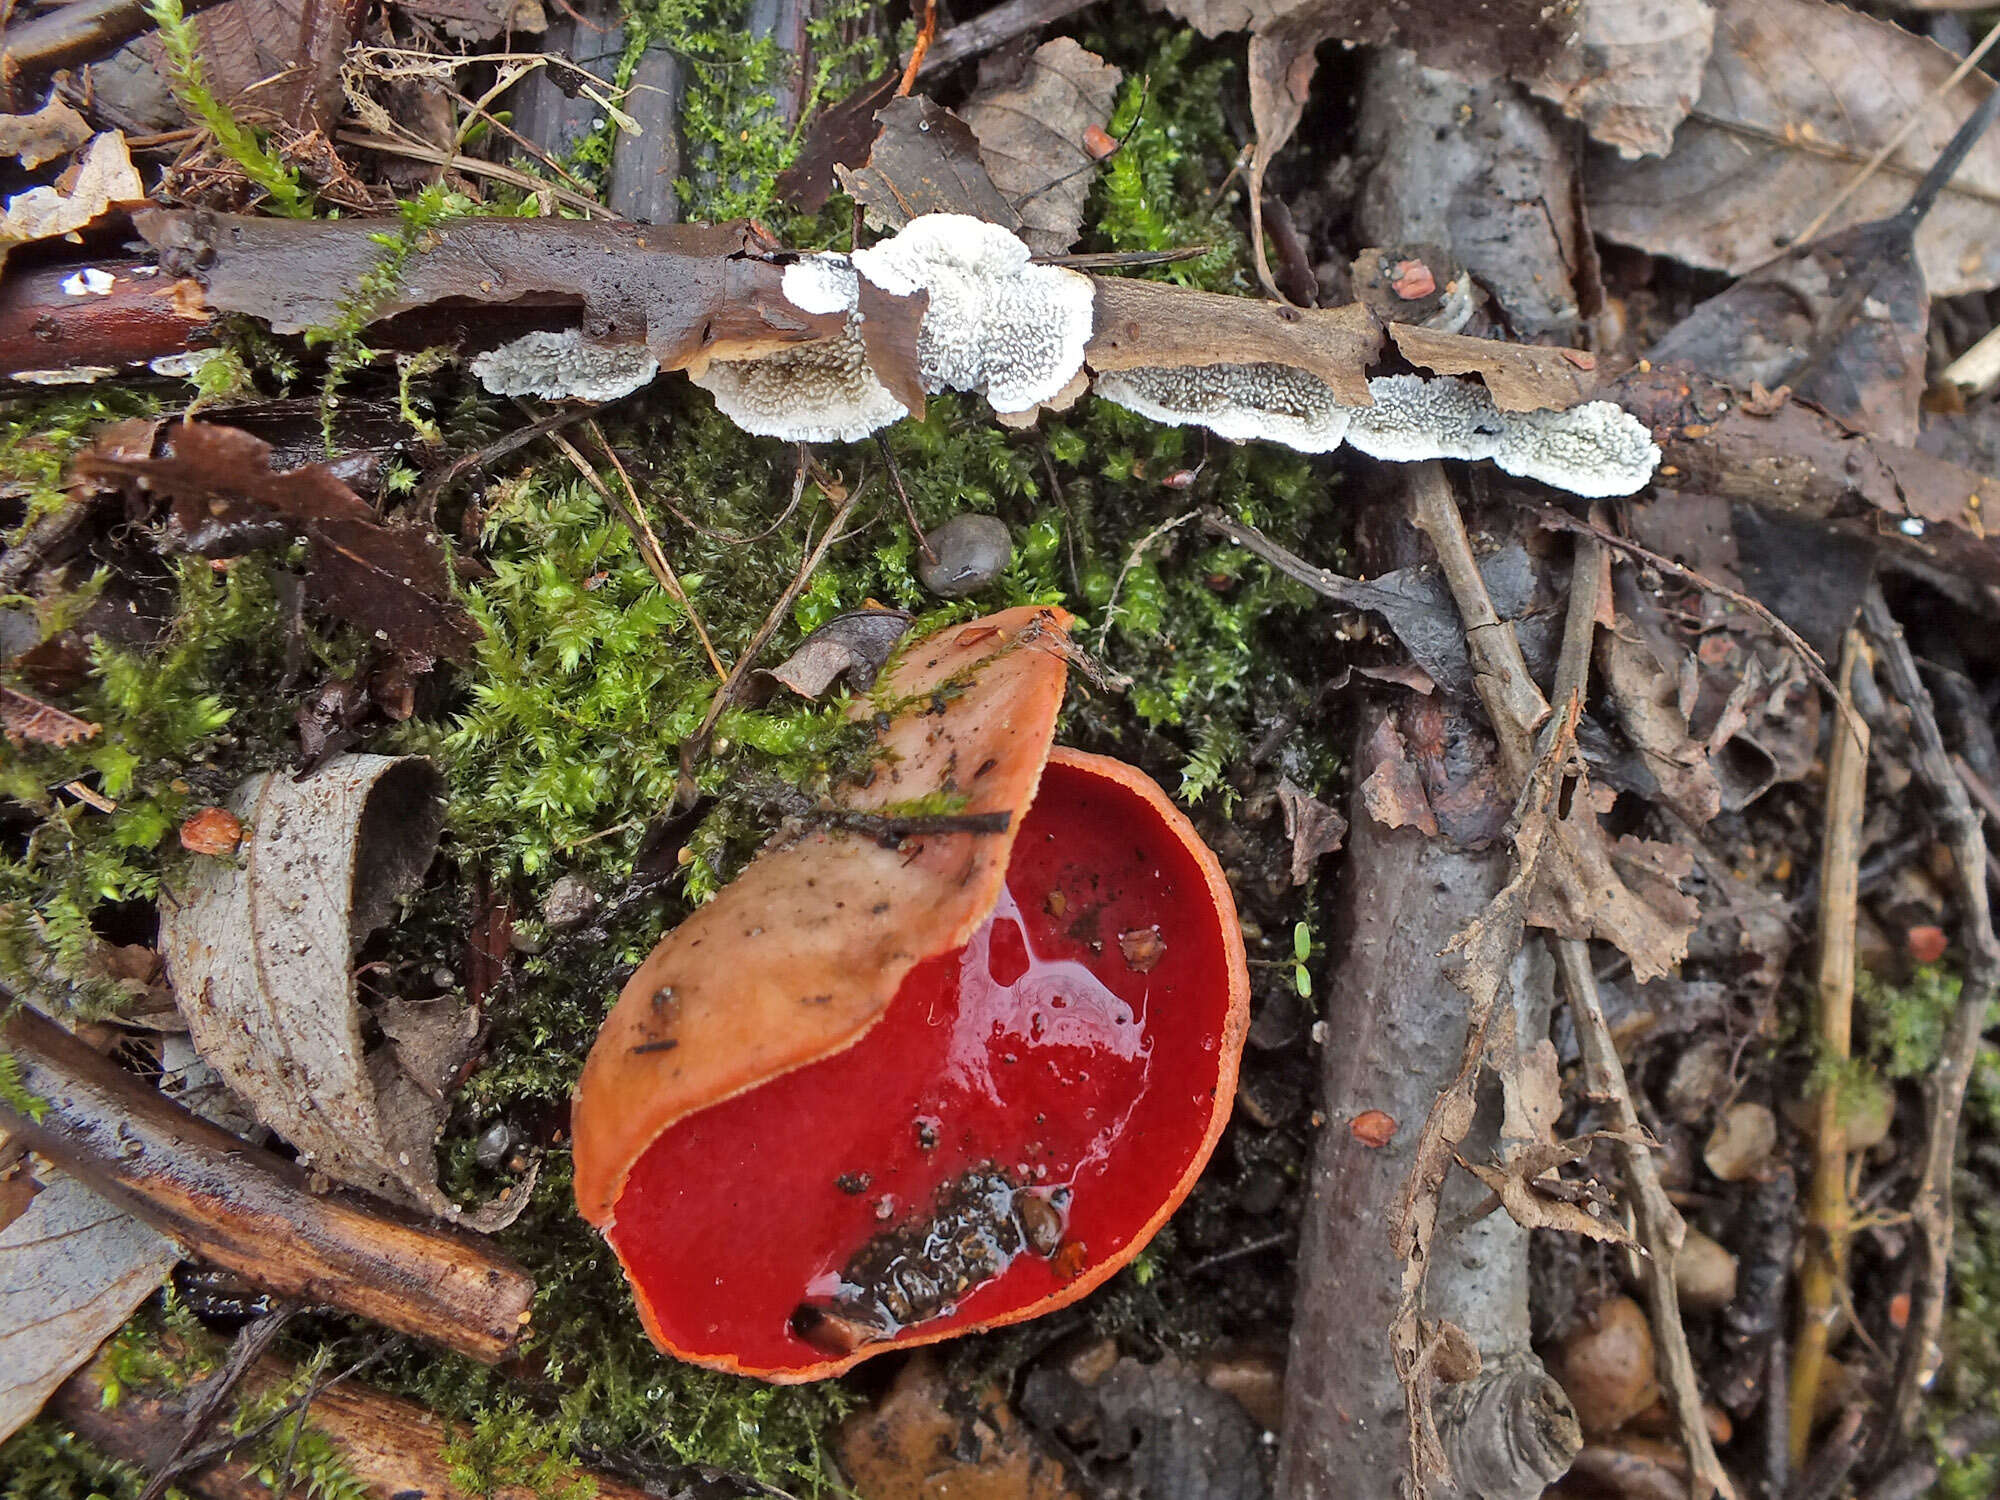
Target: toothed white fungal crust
point(565, 364)
point(1596, 449)
point(996, 322)
point(822, 284)
point(1240, 402)
point(815, 393)
point(1414, 419)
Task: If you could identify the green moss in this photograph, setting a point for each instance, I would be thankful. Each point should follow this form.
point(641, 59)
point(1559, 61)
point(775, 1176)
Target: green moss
point(39, 436)
point(178, 725)
point(1904, 1024)
point(283, 192)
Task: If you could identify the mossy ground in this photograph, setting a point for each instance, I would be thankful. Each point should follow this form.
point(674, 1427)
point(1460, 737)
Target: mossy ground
point(561, 739)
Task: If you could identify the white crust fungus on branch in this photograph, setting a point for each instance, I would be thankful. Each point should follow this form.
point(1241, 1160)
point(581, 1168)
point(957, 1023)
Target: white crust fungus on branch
point(561, 364)
point(1239, 402)
point(1597, 449)
point(998, 324)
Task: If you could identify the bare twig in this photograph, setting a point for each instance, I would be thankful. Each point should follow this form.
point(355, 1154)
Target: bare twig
point(1828, 1212)
point(1931, 1209)
point(697, 746)
point(926, 34)
point(1517, 707)
point(1138, 551)
point(249, 1347)
point(635, 522)
point(1902, 133)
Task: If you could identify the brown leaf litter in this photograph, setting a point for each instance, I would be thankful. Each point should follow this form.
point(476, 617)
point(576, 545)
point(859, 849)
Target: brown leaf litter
point(390, 582)
point(260, 953)
point(1797, 95)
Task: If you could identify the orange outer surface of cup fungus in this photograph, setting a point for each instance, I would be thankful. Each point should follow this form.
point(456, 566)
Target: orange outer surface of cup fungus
point(878, 1095)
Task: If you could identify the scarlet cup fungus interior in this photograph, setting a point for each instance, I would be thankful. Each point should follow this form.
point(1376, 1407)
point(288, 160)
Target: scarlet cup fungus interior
point(1024, 1112)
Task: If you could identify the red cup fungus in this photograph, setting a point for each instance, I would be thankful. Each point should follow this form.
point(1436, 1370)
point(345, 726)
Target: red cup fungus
point(885, 1090)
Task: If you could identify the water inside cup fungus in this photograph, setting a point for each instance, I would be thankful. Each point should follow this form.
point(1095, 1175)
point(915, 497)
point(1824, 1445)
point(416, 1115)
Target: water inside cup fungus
point(885, 1091)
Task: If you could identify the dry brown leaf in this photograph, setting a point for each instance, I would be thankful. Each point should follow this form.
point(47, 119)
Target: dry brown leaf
point(49, 132)
point(72, 1269)
point(1798, 94)
point(1634, 71)
point(29, 720)
point(105, 179)
point(390, 582)
point(260, 952)
point(1521, 377)
point(854, 645)
point(1315, 829)
point(1392, 791)
point(1626, 894)
point(925, 160)
point(1646, 699)
point(1531, 1199)
point(1032, 132)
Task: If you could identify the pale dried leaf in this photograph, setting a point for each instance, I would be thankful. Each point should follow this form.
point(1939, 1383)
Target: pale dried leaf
point(72, 1269)
point(49, 132)
point(1315, 829)
point(107, 177)
point(261, 950)
point(1798, 94)
point(1525, 1194)
point(1393, 792)
point(1031, 137)
point(1634, 72)
point(1531, 1092)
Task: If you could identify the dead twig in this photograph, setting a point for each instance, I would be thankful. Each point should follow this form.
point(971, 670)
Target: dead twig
point(249, 1346)
point(1829, 1215)
point(1517, 708)
point(926, 34)
point(1139, 549)
point(1931, 1209)
point(732, 684)
point(636, 523)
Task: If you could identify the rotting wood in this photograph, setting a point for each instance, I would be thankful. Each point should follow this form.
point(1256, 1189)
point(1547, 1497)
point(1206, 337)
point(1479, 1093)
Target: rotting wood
point(1829, 1215)
point(1931, 1208)
point(1397, 1035)
point(393, 1446)
point(253, 1213)
point(1517, 708)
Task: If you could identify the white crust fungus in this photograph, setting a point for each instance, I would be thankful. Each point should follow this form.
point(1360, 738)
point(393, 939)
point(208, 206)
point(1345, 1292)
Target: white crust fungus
point(814, 393)
point(996, 322)
point(823, 283)
point(1596, 449)
point(1239, 402)
point(1414, 419)
point(565, 364)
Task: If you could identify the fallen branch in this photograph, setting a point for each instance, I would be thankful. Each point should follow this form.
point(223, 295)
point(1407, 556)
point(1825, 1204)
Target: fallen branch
point(1517, 708)
point(1931, 1209)
point(1823, 1278)
point(253, 1213)
point(392, 1446)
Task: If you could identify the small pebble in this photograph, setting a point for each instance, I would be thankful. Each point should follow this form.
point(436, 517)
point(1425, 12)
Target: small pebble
point(493, 1145)
point(1606, 1367)
point(571, 902)
point(971, 551)
point(1704, 1273)
point(1742, 1141)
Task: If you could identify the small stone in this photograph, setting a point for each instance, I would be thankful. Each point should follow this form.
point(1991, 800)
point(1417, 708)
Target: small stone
point(571, 902)
point(494, 1142)
point(1704, 1274)
point(971, 552)
point(1606, 1367)
point(1261, 1190)
point(1742, 1141)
